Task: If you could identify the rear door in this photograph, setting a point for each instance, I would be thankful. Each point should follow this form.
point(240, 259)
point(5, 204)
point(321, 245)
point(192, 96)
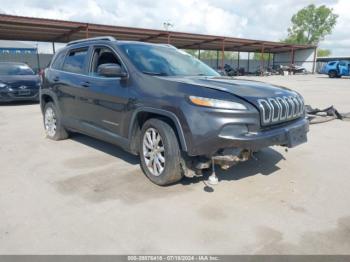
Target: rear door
point(343, 68)
point(73, 84)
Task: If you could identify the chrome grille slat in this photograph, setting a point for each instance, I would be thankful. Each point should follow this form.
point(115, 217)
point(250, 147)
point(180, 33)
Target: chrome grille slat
point(280, 109)
point(285, 108)
point(296, 110)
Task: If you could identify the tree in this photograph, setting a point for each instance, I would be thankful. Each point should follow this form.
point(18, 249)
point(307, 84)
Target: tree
point(311, 24)
point(265, 56)
point(210, 54)
point(323, 52)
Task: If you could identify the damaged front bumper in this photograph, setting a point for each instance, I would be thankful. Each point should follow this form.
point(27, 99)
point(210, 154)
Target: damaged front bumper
point(290, 136)
point(244, 145)
point(241, 147)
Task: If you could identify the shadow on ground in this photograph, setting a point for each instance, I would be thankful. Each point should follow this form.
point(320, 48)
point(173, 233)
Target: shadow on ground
point(107, 148)
point(19, 103)
point(128, 184)
point(265, 163)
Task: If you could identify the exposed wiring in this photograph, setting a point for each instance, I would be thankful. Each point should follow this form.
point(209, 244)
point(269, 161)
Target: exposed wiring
point(317, 116)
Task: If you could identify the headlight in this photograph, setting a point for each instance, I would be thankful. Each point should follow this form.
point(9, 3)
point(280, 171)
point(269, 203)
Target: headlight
point(216, 103)
point(3, 85)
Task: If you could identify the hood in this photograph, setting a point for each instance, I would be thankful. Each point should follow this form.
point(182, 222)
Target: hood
point(250, 90)
point(276, 104)
point(15, 81)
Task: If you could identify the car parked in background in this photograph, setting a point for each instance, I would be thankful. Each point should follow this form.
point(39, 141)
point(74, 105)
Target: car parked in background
point(336, 69)
point(18, 82)
point(159, 102)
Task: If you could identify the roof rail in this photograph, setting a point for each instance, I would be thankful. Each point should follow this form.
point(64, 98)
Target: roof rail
point(107, 38)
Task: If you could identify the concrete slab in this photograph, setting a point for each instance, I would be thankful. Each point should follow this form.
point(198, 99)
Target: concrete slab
point(83, 196)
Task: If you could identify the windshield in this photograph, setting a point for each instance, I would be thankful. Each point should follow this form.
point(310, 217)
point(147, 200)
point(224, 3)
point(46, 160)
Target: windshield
point(167, 61)
point(12, 69)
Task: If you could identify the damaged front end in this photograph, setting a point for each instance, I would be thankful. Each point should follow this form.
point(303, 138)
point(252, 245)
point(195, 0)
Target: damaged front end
point(225, 159)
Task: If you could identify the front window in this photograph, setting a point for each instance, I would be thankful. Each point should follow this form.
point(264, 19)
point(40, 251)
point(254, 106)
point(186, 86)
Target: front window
point(10, 69)
point(75, 61)
point(164, 60)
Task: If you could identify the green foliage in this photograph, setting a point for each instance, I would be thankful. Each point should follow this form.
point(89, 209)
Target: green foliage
point(323, 52)
point(265, 57)
point(311, 24)
point(208, 54)
point(192, 52)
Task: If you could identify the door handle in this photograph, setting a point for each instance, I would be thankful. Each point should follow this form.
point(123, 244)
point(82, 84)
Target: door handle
point(85, 84)
point(56, 79)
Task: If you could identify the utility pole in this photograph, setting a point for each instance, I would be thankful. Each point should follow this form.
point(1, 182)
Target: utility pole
point(167, 25)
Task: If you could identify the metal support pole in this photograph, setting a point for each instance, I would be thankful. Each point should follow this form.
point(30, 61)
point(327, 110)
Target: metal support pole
point(217, 59)
point(199, 52)
point(37, 57)
point(87, 31)
point(262, 60)
point(168, 37)
point(292, 56)
point(268, 63)
point(314, 62)
point(53, 47)
point(223, 54)
point(248, 63)
point(273, 60)
point(239, 54)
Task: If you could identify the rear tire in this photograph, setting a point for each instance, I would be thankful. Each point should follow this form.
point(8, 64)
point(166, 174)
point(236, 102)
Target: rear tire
point(53, 123)
point(160, 153)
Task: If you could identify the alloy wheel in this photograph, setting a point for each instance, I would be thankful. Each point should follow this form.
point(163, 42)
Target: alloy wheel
point(153, 151)
point(50, 122)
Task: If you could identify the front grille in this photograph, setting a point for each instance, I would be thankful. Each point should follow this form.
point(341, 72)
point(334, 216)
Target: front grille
point(28, 84)
point(276, 110)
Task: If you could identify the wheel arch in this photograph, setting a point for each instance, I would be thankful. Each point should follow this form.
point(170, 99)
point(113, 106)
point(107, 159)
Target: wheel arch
point(46, 97)
point(141, 115)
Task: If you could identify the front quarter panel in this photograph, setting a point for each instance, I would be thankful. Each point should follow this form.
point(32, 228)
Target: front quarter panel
point(200, 125)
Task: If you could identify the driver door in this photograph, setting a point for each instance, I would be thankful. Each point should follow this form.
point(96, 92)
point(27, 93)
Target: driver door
point(107, 97)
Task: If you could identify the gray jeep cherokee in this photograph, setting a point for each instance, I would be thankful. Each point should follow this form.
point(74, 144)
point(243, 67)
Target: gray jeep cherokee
point(162, 104)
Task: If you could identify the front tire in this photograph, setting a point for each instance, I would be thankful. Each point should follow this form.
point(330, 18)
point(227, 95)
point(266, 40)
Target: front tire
point(53, 124)
point(332, 74)
point(160, 153)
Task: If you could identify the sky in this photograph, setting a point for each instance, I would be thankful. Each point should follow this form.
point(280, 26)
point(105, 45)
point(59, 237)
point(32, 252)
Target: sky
point(255, 19)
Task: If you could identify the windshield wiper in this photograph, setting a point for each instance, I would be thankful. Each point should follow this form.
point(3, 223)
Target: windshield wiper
point(155, 73)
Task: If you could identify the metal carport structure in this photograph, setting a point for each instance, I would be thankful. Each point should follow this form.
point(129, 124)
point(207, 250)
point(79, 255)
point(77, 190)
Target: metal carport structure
point(49, 30)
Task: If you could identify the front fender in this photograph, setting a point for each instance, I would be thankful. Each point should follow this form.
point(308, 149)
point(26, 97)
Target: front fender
point(160, 112)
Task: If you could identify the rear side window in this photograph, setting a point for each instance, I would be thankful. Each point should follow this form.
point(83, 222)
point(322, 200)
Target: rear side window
point(331, 63)
point(75, 61)
point(58, 61)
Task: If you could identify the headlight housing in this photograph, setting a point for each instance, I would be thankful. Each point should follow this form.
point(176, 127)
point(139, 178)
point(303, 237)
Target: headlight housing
point(216, 103)
point(2, 85)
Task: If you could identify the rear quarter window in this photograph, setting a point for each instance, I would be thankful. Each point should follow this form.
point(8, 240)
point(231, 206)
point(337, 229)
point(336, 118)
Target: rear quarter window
point(58, 61)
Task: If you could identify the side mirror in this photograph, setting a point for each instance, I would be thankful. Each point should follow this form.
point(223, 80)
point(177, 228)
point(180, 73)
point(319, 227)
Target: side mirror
point(110, 70)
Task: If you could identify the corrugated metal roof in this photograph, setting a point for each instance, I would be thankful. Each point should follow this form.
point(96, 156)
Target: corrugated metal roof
point(49, 30)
